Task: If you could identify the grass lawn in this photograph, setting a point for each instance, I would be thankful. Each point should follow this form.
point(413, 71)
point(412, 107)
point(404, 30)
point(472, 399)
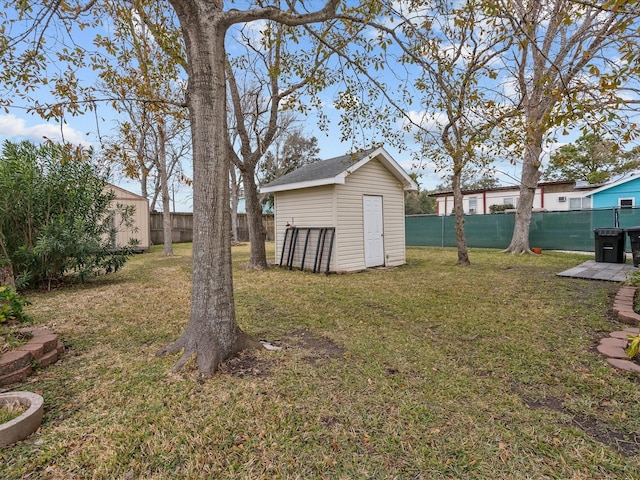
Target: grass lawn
point(426, 371)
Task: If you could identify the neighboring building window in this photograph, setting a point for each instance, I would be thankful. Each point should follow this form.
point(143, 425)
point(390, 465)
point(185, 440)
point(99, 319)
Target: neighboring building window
point(473, 204)
point(509, 201)
point(579, 203)
point(626, 202)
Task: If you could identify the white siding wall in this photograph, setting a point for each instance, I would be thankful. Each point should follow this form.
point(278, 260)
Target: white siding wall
point(309, 207)
point(140, 230)
point(371, 179)
point(341, 206)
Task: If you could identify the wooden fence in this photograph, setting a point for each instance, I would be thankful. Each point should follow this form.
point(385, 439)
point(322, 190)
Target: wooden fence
point(182, 227)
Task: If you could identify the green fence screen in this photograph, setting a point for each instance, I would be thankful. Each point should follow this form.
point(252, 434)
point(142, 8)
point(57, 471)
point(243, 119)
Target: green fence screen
point(571, 230)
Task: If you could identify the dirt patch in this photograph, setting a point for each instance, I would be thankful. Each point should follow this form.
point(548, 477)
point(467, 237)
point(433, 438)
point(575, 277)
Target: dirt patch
point(246, 364)
point(316, 349)
point(625, 443)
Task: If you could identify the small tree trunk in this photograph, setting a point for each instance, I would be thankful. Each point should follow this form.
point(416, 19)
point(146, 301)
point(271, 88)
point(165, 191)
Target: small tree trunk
point(235, 198)
point(257, 232)
point(144, 174)
point(458, 208)
point(166, 198)
point(6, 276)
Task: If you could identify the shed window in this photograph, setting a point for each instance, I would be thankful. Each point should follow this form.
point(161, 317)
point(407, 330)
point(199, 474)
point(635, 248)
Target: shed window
point(626, 202)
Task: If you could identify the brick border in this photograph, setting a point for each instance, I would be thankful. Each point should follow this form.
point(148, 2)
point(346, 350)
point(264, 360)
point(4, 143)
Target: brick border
point(42, 350)
point(613, 347)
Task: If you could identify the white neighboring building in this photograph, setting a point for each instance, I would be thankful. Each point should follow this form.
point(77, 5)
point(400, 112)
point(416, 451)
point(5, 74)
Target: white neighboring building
point(551, 196)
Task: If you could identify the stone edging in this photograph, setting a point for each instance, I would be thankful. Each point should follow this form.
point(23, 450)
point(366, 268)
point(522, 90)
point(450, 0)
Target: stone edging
point(24, 425)
point(42, 350)
point(613, 347)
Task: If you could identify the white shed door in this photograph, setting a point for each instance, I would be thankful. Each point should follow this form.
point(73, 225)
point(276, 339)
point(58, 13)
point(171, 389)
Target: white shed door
point(373, 231)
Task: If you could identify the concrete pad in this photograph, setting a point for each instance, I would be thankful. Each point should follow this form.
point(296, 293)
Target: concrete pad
point(592, 270)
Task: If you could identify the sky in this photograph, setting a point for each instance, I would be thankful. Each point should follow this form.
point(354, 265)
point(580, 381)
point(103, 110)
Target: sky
point(17, 124)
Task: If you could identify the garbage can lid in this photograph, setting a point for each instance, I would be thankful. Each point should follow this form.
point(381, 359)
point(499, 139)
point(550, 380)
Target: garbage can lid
point(633, 229)
point(609, 232)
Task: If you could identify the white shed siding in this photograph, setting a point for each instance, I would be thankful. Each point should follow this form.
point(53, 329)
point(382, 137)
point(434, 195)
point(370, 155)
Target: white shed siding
point(371, 179)
point(309, 207)
point(140, 230)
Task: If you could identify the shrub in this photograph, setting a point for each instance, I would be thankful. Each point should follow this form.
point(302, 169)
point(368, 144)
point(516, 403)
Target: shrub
point(500, 208)
point(55, 219)
point(11, 305)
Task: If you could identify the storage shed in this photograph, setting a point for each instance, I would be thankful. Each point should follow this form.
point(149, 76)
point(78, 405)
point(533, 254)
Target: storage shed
point(343, 214)
point(140, 230)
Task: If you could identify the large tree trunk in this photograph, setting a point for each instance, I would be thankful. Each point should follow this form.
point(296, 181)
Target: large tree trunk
point(458, 208)
point(212, 334)
point(528, 184)
point(257, 232)
point(166, 199)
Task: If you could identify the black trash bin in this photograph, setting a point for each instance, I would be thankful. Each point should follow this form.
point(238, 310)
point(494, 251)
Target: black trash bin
point(609, 245)
point(634, 239)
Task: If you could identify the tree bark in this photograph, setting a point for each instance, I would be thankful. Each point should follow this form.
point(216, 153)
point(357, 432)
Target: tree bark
point(6, 276)
point(212, 334)
point(166, 199)
point(235, 197)
point(458, 208)
point(528, 183)
point(257, 232)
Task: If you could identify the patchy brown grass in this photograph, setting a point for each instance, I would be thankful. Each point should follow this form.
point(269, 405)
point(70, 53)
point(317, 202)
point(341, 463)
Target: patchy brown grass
point(9, 411)
point(424, 371)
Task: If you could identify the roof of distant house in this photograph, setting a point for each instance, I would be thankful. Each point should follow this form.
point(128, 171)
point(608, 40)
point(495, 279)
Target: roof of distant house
point(504, 188)
point(634, 176)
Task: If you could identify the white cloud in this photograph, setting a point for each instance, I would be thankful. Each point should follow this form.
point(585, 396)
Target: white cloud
point(16, 128)
point(427, 121)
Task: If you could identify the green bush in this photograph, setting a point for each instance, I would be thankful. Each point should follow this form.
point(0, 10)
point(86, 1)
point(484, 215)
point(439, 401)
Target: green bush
point(500, 208)
point(55, 218)
point(11, 305)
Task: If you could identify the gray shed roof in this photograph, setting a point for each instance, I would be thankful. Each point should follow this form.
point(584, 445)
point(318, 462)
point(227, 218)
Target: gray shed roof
point(320, 170)
point(335, 170)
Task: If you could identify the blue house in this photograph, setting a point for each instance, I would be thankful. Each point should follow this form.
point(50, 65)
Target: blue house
point(623, 193)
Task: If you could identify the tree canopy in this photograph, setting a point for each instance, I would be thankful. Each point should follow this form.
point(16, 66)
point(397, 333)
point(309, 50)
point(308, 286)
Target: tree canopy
point(294, 150)
point(591, 158)
point(561, 62)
